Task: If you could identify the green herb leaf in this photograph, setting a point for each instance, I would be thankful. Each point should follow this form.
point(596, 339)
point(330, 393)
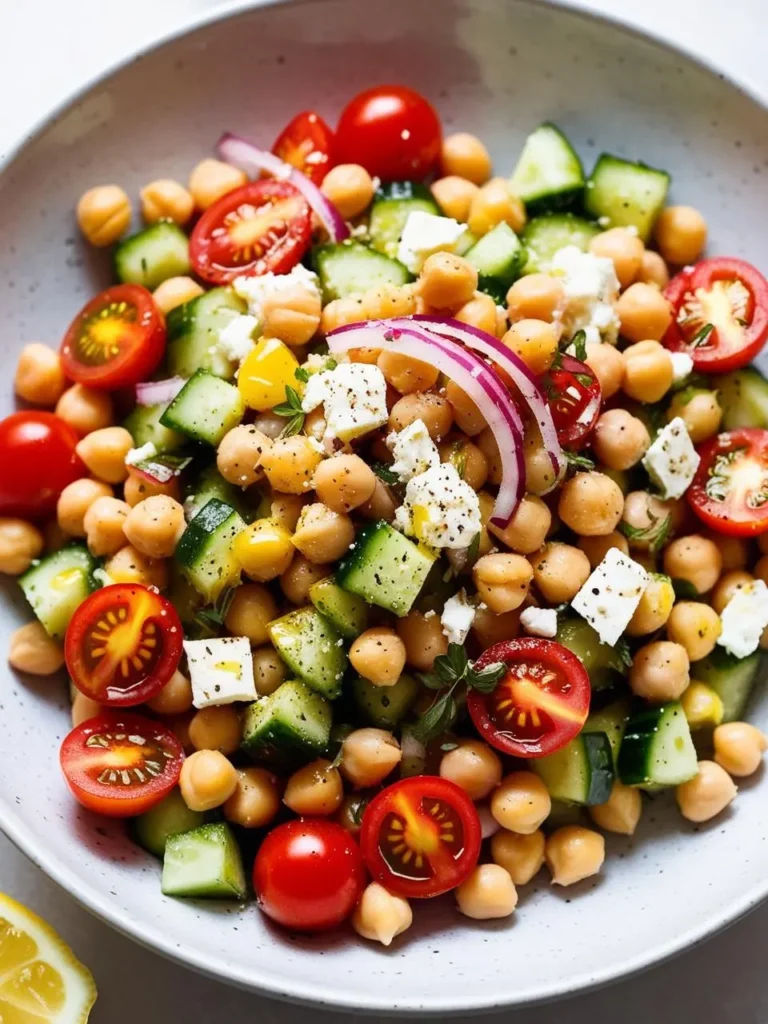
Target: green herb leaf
point(657, 533)
point(330, 363)
point(436, 720)
point(385, 474)
point(685, 590)
point(291, 405)
point(578, 461)
point(448, 747)
point(585, 379)
point(485, 680)
point(293, 426)
point(430, 680)
point(622, 649)
point(701, 336)
point(579, 342)
point(473, 551)
point(301, 374)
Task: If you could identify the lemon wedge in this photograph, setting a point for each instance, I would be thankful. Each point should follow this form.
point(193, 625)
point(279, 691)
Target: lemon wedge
point(41, 980)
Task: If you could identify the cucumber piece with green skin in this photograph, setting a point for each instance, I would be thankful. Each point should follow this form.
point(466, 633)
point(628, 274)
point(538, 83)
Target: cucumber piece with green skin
point(611, 720)
point(183, 595)
point(291, 726)
point(657, 750)
point(548, 175)
point(581, 772)
point(351, 268)
point(311, 647)
point(347, 612)
point(193, 333)
point(733, 679)
point(205, 553)
point(743, 396)
point(205, 409)
point(544, 236)
point(385, 568)
point(57, 585)
point(392, 206)
point(602, 662)
point(211, 484)
point(204, 863)
point(499, 258)
point(144, 426)
point(153, 255)
point(385, 706)
point(620, 193)
point(168, 818)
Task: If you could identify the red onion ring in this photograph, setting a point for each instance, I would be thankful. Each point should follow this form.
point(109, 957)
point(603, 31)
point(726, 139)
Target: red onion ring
point(159, 392)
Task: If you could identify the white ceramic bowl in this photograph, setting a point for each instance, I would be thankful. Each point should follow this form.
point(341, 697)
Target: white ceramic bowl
point(496, 67)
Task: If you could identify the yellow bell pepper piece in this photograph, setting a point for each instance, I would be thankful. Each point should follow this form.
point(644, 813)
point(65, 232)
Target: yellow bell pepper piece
point(267, 370)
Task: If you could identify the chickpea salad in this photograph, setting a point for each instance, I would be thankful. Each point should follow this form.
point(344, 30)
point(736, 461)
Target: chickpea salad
point(401, 523)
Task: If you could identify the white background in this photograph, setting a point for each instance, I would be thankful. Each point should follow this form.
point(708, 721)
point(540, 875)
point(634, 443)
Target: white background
point(47, 48)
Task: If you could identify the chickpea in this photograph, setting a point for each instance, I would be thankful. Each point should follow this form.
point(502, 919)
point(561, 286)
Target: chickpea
point(535, 297)
point(488, 893)
point(624, 249)
point(521, 856)
point(596, 548)
point(84, 708)
point(268, 670)
point(350, 188)
point(300, 576)
point(85, 409)
point(647, 371)
point(447, 281)
point(653, 270)
point(495, 204)
point(290, 463)
point(285, 509)
point(707, 794)
point(620, 439)
point(502, 580)
point(75, 500)
point(644, 313)
point(660, 671)
point(423, 638)
point(104, 523)
point(406, 374)
point(340, 312)
point(207, 780)
point(175, 291)
point(240, 450)
point(255, 800)
point(454, 195)
point(344, 482)
point(212, 179)
point(479, 312)
point(474, 767)
point(137, 488)
point(621, 811)
point(608, 366)
point(323, 535)
point(528, 527)
point(104, 451)
point(469, 461)
point(490, 629)
point(269, 423)
point(727, 586)
point(559, 571)
point(654, 608)
point(155, 525)
point(20, 544)
point(466, 414)
point(574, 853)
point(486, 442)
point(216, 728)
point(535, 342)
point(761, 568)
point(166, 199)
point(695, 626)
point(699, 410)
point(645, 516)
point(734, 551)
point(39, 377)
point(293, 315)
point(591, 504)
point(103, 214)
point(434, 411)
point(315, 789)
point(739, 748)
point(32, 650)
point(380, 915)
point(539, 472)
point(175, 698)
point(264, 549)
point(702, 706)
point(379, 656)
point(386, 300)
point(368, 756)
point(521, 802)
point(695, 559)
point(465, 156)
point(681, 234)
point(128, 565)
point(250, 610)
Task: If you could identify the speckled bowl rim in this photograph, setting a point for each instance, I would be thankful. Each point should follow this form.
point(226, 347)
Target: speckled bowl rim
point(255, 979)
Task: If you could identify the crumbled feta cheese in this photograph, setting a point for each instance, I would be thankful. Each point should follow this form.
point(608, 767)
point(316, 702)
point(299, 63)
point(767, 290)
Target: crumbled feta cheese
point(611, 594)
point(236, 337)
point(440, 509)
point(539, 621)
point(424, 234)
point(316, 362)
point(255, 288)
point(137, 455)
point(682, 365)
point(591, 289)
point(353, 396)
point(413, 449)
point(744, 618)
point(457, 618)
point(220, 670)
point(102, 577)
point(672, 461)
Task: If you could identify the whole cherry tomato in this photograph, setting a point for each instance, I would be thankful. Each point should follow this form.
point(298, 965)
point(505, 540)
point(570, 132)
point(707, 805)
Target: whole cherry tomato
point(37, 461)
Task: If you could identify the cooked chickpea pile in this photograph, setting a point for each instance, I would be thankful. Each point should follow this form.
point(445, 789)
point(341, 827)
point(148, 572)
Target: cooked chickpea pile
point(309, 499)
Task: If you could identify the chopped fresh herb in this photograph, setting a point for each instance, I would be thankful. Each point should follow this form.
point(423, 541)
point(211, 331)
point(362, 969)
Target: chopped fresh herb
point(656, 533)
point(700, 337)
point(622, 649)
point(301, 374)
point(291, 409)
point(579, 342)
point(685, 590)
point(576, 461)
point(385, 474)
point(585, 379)
point(448, 672)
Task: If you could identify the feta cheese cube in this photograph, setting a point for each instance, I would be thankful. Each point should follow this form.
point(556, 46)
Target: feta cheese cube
point(236, 337)
point(221, 670)
point(457, 618)
point(414, 451)
point(611, 594)
point(682, 366)
point(672, 461)
point(137, 455)
point(539, 621)
point(354, 397)
point(254, 289)
point(440, 509)
point(743, 619)
point(591, 290)
point(424, 234)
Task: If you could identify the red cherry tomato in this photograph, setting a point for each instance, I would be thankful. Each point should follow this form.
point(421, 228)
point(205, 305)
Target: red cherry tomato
point(120, 764)
point(730, 490)
point(541, 703)
point(308, 874)
point(116, 340)
point(574, 397)
point(37, 461)
point(392, 131)
point(263, 226)
point(307, 144)
point(123, 644)
point(421, 836)
point(721, 314)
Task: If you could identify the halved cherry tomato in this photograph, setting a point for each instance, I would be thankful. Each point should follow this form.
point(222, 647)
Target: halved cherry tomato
point(123, 644)
point(721, 314)
point(263, 226)
point(421, 836)
point(116, 340)
point(37, 461)
point(730, 490)
point(574, 397)
point(119, 764)
point(308, 874)
point(306, 143)
point(541, 703)
point(392, 131)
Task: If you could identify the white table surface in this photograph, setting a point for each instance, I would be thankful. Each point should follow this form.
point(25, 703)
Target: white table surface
point(46, 49)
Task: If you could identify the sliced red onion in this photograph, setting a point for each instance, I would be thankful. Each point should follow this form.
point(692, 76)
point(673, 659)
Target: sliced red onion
point(249, 158)
point(159, 392)
point(474, 377)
